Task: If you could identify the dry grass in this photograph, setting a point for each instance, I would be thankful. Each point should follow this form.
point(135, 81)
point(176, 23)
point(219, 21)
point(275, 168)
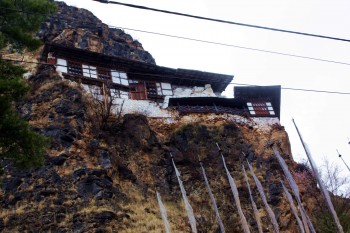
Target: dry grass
point(49, 85)
point(145, 215)
point(68, 203)
point(87, 210)
point(94, 209)
point(5, 213)
point(18, 210)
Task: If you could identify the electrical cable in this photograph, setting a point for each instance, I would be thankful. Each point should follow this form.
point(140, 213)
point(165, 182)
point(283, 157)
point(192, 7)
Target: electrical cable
point(236, 46)
point(219, 43)
point(297, 89)
point(223, 21)
point(167, 76)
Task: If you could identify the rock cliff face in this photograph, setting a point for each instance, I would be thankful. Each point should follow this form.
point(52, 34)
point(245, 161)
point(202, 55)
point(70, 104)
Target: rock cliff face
point(105, 180)
point(98, 180)
point(76, 27)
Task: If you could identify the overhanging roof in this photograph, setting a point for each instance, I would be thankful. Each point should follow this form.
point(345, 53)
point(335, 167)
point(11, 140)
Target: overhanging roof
point(141, 70)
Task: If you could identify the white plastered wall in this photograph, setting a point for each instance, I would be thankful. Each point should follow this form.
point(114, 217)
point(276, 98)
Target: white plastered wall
point(95, 91)
point(180, 91)
point(144, 107)
point(148, 107)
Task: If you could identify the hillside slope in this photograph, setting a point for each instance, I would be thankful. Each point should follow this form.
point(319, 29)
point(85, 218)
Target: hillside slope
point(105, 181)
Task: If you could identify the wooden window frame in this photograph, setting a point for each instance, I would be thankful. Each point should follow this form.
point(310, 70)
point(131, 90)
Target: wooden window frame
point(104, 73)
point(165, 89)
point(89, 71)
point(116, 75)
point(138, 90)
point(74, 68)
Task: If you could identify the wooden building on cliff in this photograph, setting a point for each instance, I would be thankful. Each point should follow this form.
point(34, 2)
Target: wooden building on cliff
point(187, 91)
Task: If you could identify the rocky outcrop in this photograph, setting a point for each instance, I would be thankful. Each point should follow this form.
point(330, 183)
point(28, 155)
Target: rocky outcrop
point(105, 180)
point(79, 28)
point(96, 180)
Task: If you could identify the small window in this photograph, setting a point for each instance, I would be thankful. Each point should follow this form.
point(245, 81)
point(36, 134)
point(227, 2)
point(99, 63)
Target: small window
point(164, 89)
point(89, 71)
point(74, 68)
point(120, 77)
point(151, 88)
point(138, 91)
point(103, 73)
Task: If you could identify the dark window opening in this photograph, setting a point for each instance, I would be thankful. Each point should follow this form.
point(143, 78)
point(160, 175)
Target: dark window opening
point(103, 74)
point(151, 90)
point(75, 68)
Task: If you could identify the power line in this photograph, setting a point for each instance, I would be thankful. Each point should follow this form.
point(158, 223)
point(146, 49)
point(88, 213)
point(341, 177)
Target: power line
point(167, 76)
point(223, 21)
point(297, 89)
point(319, 91)
point(235, 46)
point(215, 43)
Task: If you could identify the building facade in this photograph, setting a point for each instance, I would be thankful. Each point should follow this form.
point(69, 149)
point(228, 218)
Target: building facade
point(153, 90)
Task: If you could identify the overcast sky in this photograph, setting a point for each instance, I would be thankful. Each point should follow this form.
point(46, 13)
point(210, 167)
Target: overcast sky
point(322, 118)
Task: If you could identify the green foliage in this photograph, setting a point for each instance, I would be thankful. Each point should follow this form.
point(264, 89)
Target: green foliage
point(345, 221)
point(338, 186)
point(17, 141)
point(325, 223)
point(19, 19)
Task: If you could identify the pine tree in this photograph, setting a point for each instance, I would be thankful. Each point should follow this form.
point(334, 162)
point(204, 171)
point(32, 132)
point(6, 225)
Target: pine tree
point(17, 141)
point(19, 20)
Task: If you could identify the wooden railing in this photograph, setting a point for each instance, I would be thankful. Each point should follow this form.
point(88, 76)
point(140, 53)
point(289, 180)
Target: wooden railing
point(210, 109)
